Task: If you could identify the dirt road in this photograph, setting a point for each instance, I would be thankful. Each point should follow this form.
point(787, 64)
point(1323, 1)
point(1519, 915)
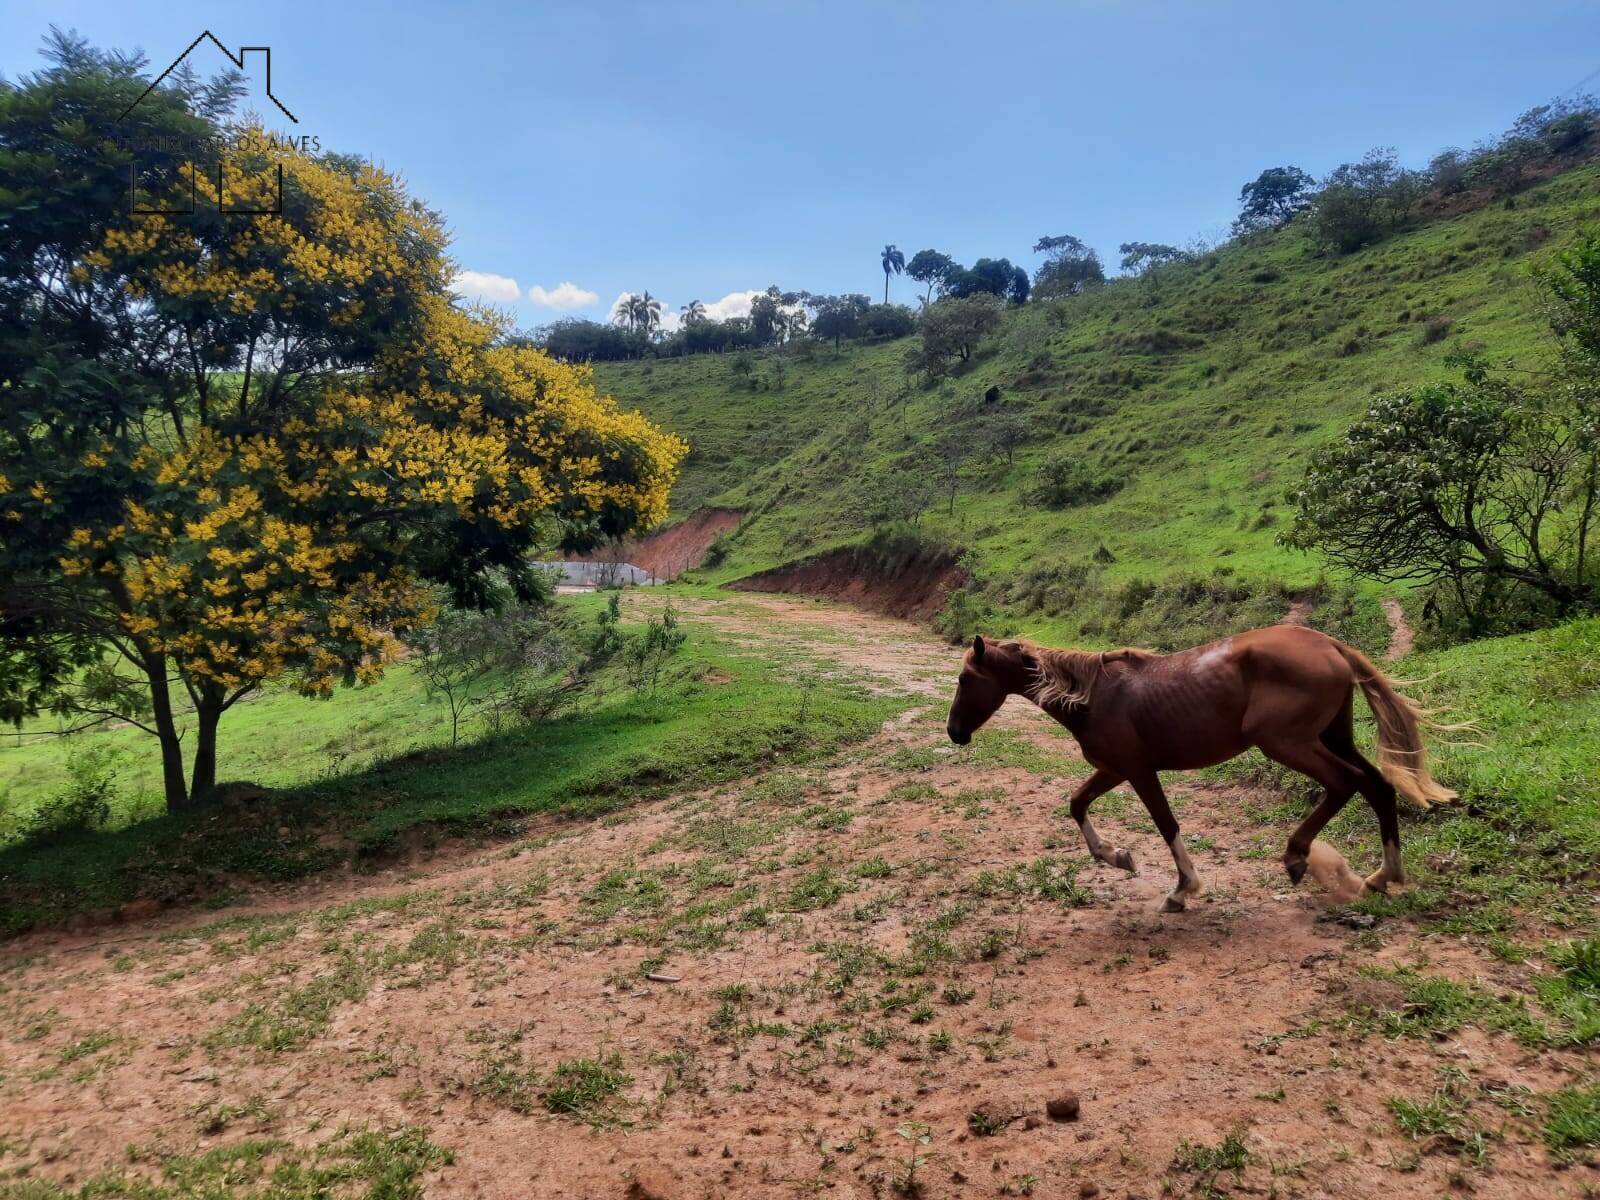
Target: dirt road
point(781, 988)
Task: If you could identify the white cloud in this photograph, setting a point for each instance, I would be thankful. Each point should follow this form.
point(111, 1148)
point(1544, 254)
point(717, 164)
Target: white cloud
point(734, 304)
point(563, 295)
point(481, 285)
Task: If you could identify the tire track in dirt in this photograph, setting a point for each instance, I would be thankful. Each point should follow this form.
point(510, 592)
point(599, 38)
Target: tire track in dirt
point(909, 933)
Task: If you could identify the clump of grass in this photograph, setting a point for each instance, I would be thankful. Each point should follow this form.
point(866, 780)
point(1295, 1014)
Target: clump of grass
point(818, 889)
point(1046, 878)
point(1574, 1120)
point(584, 1088)
point(1573, 994)
point(1231, 1154)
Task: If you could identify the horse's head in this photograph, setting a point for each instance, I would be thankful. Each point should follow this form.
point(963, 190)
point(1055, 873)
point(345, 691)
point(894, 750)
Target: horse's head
point(990, 672)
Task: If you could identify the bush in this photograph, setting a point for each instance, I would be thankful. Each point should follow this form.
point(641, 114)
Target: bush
point(83, 805)
point(1065, 481)
point(1363, 201)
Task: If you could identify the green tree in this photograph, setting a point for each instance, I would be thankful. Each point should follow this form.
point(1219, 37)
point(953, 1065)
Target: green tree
point(894, 262)
point(932, 268)
point(1070, 267)
point(838, 317)
point(692, 312)
point(1482, 491)
point(1361, 202)
point(1273, 198)
point(1139, 257)
point(234, 451)
point(951, 330)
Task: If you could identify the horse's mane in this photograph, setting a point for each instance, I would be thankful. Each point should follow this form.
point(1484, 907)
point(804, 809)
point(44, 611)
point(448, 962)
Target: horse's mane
point(1066, 678)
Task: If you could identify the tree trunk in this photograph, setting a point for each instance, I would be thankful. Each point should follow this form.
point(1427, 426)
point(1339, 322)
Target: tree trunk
point(172, 782)
point(207, 715)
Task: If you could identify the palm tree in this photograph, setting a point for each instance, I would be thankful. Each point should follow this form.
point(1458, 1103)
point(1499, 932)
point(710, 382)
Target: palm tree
point(692, 312)
point(626, 314)
point(648, 313)
point(893, 263)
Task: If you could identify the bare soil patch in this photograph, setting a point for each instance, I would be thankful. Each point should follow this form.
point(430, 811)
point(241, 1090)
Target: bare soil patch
point(915, 589)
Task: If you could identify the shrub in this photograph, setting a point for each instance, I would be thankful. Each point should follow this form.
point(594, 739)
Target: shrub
point(1065, 481)
point(1363, 201)
point(84, 804)
point(1436, 329)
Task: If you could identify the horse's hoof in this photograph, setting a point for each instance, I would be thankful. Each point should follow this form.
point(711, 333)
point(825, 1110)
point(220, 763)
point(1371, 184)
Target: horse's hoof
point(1378, 882)
point(1174, 903)
point(1121, 857)
point(1296, 869)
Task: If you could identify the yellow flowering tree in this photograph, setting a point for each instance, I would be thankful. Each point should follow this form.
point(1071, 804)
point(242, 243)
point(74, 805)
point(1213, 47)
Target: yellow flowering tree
point(240, 448)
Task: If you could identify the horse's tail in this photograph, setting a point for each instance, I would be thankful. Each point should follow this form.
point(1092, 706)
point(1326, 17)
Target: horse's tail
point(1401, 755)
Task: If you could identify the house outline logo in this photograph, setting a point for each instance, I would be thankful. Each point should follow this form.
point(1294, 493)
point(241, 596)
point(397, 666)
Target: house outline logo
point(238, 61)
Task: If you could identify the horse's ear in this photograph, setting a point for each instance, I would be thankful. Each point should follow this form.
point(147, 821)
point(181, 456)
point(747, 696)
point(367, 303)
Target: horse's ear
point(977, 647)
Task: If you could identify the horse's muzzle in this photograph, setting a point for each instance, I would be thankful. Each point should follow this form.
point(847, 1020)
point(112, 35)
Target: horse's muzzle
point(959, 736)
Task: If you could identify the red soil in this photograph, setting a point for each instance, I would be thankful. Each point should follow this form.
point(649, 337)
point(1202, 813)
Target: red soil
point(799, 1035)
point(915, 589)
point(671, 551)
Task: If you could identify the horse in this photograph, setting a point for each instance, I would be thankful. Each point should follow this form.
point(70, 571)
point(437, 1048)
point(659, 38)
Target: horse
point(1286, 690)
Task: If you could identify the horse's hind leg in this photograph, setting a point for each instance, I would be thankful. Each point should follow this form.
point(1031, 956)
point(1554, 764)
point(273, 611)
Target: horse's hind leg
point(1155, 799)
point(1379, 792)
point(1339, 780)
point(1098, 784)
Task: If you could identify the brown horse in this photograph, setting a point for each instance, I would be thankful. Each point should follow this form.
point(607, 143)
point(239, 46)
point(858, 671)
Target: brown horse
point(1286, 689)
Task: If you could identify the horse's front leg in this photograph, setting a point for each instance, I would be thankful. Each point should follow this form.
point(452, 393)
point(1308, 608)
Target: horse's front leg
point(1149, 788)
point(1098, 784)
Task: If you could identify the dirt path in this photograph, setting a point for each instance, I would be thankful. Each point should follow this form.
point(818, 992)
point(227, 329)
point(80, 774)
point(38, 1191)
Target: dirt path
point(908, 939)
point(1401, 635)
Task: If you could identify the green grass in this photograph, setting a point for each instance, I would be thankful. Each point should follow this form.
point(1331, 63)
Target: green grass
point(277, 739)
point(358, 1164)
point(1574, 1120)
point(622, 747)
point(1207, 390)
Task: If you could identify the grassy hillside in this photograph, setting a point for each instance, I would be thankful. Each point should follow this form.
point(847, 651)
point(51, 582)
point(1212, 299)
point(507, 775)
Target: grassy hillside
point(1203, 392)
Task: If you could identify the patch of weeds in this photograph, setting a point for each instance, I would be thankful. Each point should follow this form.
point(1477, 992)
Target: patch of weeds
point(1443, 1117)
point(1436, 1006)
point(780, 787)
point(876, 867)
point(39, 1027)
point(215, 1117)
point(583, 1088)
point(356, 1164)
point(1046, 878)
point(971, 801)
point(293, 1016)
point(912, 790)
point(85, 1046)
point(818, 889)
point(986, 1120)
point(1231, 1155)
point(1573, 1122)
point(1573, 994)
point(915, 758)
point(917, 1135)
point(626, 890)
point(501, 1077)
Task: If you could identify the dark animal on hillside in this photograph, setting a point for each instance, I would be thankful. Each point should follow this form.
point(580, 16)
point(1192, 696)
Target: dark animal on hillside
point(992, 395)
point(1286, 689)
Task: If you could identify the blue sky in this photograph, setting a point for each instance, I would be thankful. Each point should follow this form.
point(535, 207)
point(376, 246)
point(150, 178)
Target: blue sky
point(704, 150)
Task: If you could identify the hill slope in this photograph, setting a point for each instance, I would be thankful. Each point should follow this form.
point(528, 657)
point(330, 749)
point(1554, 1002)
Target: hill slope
point(1201, 394)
